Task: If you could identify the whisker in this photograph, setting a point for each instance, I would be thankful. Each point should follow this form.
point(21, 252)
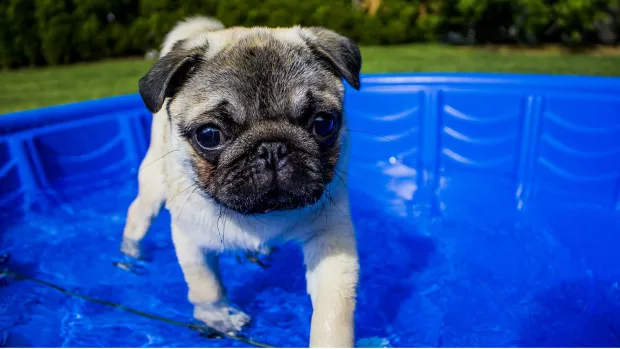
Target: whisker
point(320, 211)
point(226, 210)
point(223, 214)
point(247, 220)
point(326, 214)
point(241, 227)
point(329, 195)
point(188, 197)
point(341, 179)
point(298, 217)
point(341, 171)
point(217, 225)
point(154, 161)
point(181, 192)
point(255, 217)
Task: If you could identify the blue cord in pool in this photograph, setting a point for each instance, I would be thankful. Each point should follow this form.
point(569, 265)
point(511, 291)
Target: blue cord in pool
point(204, 330)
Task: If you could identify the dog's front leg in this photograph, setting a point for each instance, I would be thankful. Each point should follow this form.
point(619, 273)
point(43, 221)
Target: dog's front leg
point(151, 191)
point(206, 293)
point(332, 276)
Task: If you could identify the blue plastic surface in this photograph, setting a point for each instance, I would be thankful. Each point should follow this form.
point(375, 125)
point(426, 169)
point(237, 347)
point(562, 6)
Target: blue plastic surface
point(486, 208)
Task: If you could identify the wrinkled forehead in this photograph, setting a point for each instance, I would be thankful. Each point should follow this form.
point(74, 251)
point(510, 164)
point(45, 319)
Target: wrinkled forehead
point(261, 77)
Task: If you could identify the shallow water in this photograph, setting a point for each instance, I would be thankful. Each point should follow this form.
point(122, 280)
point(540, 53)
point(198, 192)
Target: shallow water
point(466, 271)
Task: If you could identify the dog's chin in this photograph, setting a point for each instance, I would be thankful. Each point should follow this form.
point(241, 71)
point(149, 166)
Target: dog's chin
point(274, 200)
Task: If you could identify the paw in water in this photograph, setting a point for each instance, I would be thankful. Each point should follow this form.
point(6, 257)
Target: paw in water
point(131, 264)
point(222, 317)
point(132, 249)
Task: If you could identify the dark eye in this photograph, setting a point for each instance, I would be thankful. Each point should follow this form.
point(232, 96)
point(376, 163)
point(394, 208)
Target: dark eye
point(209, 137)
point(324, 124)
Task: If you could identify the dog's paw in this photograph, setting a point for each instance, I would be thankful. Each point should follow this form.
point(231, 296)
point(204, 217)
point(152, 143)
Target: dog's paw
point(135, 266)
point(132, 249)
point(222, 316)
point(131, 264)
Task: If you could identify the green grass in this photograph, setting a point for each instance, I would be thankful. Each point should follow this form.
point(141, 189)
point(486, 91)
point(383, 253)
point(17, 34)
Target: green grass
point(439, 58)
point(32, 88)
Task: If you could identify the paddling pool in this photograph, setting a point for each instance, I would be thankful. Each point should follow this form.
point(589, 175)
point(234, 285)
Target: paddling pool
point(487, 210)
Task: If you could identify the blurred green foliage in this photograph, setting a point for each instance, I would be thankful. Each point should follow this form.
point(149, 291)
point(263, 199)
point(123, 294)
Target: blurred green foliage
point(39, 32)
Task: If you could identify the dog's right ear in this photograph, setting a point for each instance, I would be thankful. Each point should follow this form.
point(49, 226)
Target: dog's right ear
point(167, 76)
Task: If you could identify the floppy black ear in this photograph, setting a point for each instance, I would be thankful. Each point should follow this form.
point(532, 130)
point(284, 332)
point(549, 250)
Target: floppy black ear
point(340, 52)
point(166, 77)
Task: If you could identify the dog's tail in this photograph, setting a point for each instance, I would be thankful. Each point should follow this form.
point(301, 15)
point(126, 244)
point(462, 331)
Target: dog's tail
point(189, 28)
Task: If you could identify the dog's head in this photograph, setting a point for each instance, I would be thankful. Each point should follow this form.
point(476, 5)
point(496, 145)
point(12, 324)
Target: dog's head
point(256, 112)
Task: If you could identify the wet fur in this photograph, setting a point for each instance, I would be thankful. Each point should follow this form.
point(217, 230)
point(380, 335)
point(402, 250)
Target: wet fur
point(259, 85)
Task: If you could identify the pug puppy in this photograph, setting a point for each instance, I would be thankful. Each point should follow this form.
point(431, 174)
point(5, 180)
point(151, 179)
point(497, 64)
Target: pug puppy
point(249, 150)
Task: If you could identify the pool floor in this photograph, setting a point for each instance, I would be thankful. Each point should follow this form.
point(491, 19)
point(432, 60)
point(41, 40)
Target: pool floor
point(486, 280)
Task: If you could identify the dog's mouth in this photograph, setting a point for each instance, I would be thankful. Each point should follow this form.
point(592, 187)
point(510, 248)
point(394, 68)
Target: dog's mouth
point(280, 200)
point(274, 200)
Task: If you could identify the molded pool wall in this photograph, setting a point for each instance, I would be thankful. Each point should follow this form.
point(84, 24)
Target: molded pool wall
point(550, 137)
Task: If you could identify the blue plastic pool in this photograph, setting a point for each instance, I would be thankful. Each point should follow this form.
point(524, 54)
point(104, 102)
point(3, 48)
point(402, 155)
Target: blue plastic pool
point(486, 207)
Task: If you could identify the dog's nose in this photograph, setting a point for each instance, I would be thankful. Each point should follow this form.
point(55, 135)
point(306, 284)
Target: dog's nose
point(273, 153)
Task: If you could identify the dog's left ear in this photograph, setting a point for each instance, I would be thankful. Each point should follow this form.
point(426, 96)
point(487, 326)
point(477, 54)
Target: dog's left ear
point(167, 76)
point(340, 52)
